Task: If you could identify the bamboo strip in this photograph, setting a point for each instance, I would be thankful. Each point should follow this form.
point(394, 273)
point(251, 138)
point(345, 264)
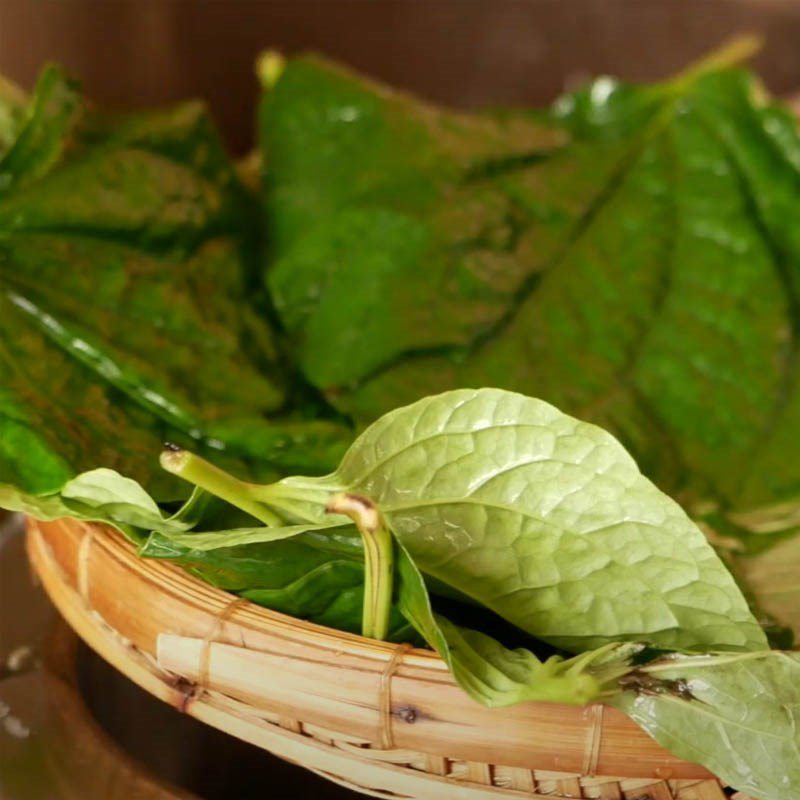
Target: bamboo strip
point(656, 791)
point(478, 772)
point(320, 698)
point(522, 779)
point(609, 791)
point(699, 790)
point(570, 787)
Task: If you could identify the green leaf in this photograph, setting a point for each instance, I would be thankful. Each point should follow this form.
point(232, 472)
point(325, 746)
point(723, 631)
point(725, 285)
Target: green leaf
point(48, 507)
point(214, 540)
point(648, 274)
point(269, 565)
point(41, 133)
point(126, 266)
point(315, 577)
point(365, 195)
point(331, 595)
point(111, 496)
point(491, 673)
point(542, 518)
point(103, 495)
point(13, 102)
point(739, 716)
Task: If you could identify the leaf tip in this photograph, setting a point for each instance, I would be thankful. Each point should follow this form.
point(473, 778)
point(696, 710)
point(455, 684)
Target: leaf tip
point(269, 66)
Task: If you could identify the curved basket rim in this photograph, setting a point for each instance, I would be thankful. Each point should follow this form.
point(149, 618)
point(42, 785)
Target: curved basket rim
point(248, 610)
point(66, 546)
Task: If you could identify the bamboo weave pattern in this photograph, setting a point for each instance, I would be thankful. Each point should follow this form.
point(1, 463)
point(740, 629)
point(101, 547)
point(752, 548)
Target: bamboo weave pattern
point(374, 767)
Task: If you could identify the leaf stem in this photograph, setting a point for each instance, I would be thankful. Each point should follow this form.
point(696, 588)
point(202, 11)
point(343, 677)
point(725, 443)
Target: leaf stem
point(737, 50)
point(197, 470)
point(378, 560)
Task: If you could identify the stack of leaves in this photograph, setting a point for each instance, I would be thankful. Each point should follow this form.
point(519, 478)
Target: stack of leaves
point(127, 250)
point(628, 256)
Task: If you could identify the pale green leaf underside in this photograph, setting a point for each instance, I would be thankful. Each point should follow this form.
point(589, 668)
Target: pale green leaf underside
point(103, 495)
point(214, 540)
point(547, 521)
point(491, 673)
point(744, 723)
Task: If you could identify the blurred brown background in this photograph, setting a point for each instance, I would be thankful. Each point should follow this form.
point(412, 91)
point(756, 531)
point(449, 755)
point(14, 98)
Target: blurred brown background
point(463, 52)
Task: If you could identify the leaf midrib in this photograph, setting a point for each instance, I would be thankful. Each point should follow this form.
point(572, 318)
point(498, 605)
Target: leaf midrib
point(703, 710)
point(659, 119)
point(781, 268)
point(375, 467)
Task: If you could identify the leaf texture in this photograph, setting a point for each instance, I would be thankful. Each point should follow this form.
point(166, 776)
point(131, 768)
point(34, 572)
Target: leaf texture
point(544, 519)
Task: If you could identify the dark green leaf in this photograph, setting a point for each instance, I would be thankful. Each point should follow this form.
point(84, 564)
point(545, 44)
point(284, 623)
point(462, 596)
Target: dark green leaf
point(644, 275)
point(125, 317)
point(13, 103)
point(42, 132)
point(318, 578)
point(366, 193)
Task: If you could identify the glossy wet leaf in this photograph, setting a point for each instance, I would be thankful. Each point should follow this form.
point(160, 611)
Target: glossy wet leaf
point(366, 192)
point(125, 279)
point(542, 518)
point(648, 283)
point(741, 722)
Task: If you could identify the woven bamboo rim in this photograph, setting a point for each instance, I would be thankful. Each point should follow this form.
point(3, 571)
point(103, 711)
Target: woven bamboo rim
point(381, 719)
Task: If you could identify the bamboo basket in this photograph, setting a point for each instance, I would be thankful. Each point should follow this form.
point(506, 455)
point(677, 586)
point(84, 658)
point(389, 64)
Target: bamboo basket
point(381, 719)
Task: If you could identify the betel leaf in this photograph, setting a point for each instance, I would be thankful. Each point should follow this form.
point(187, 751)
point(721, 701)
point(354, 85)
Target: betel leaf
point(102, 495)
point(125, 278)
point(542, 518)
point(105, 495)
point(547, 521)
point(12, 111)
point(495, 675)
point(319, 578)
point(739, 716)
point(369, 224)
point(41, 131)
point(651, 268)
